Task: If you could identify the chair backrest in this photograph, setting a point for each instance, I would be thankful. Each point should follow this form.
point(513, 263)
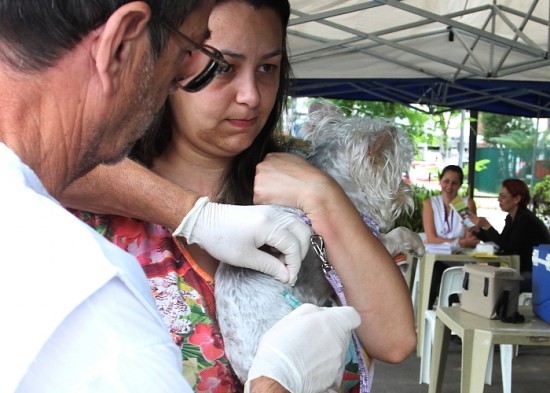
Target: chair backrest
point(525, 299)
point(451, 283)
point(408, 268)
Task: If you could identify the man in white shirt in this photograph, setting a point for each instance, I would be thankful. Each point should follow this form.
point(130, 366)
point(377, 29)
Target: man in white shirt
point(81, 82)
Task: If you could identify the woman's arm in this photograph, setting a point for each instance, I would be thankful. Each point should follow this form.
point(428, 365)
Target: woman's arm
point(228, 231)
point(484, 230)
point(428, 223)
point(372, 282)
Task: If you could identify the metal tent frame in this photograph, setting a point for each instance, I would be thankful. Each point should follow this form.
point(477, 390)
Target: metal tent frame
point(464, 54)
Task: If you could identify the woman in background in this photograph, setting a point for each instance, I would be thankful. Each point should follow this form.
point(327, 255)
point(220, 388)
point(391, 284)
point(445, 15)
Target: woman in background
point(441, 223)
point(522, 230)
point(444, 225)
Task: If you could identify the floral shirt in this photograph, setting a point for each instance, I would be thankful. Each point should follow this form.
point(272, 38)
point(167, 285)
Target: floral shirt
point(183, 293)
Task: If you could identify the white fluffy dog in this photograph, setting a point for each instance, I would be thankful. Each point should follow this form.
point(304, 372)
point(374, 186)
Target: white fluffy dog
point(367, 158)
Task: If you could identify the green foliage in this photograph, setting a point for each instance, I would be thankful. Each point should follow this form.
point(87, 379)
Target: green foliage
point(517, 139)
point(541, 197)
point(496, 126)
point(523, 144)
point(442, 121)
point(411, 120)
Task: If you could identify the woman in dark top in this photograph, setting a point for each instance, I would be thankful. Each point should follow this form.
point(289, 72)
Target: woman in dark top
point(522, 231)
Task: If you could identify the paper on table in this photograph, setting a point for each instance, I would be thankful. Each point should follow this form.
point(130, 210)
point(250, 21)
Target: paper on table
point(442, 248)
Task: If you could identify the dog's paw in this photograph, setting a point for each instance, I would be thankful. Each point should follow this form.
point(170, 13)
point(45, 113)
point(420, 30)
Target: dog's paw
point(401, 240)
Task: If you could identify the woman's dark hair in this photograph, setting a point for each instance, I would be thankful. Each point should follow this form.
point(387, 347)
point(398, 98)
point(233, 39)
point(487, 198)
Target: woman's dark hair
point(453, 168)
point(518, 187)
point(237, 186)
point(35, 34)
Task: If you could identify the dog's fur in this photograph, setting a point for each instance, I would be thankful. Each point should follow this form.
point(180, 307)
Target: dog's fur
point(367, 158)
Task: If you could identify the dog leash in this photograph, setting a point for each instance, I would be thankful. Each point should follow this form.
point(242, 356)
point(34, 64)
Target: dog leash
point(319, 246)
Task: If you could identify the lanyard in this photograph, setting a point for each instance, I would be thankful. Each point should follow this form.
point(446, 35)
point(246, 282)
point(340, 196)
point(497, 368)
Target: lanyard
point(447, 227)
point(334, 280)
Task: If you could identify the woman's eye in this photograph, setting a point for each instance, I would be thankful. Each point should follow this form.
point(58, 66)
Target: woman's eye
point(267, 68)
point(228, 69)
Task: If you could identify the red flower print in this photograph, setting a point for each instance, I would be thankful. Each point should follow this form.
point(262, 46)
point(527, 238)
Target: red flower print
point(210, 344)
point(127, 231)
point(214, 380)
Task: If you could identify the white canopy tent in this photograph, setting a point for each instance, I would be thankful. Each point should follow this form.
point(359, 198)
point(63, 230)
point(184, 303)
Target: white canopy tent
point(488, 55)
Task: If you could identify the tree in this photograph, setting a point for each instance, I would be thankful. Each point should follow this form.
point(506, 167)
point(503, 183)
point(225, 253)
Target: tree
point(541, 199)
point(442, 122)
point(495, 125)
point(411, 120)
point(516, 138)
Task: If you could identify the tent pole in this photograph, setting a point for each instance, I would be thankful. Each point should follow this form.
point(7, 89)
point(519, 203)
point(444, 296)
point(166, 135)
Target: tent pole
point(472, 152)
point(534, 157)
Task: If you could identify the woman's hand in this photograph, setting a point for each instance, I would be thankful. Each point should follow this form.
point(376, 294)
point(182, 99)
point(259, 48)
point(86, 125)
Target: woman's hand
point(469, 239)
point(289, 180)
point(480, 222)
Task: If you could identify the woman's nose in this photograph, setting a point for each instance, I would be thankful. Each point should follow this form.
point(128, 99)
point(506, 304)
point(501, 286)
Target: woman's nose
point(247, 91)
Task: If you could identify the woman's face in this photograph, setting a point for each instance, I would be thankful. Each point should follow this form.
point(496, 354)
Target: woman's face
point(225, 117)
point(506, 201)
point(450, 183)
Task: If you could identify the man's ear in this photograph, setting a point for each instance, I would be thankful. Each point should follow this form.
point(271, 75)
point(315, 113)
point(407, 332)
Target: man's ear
point(117, 40)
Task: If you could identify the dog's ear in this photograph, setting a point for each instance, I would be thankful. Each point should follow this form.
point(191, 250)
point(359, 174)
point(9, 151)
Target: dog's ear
point(323, 107)
point(315, 106)
point(387, 131)
point(319, 110)
point(378, 143)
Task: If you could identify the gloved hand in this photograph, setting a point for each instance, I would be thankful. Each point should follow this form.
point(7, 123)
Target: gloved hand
point(305, 351)
point(402, 239)
point(233, 234)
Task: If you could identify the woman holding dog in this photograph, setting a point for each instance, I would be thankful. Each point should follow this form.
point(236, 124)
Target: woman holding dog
point(221, 143)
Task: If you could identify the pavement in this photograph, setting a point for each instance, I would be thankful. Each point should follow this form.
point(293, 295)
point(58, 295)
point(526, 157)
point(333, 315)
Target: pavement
point(530, 373)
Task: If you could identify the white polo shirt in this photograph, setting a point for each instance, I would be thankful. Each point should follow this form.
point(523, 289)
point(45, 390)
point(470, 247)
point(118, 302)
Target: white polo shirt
point(77, 312)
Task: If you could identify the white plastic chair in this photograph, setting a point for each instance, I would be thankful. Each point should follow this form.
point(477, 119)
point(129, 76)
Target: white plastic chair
point(408, 268)
point(506, 351)
point(525, 299)
point(414, 290)
point(451, 283)
point(416, 276)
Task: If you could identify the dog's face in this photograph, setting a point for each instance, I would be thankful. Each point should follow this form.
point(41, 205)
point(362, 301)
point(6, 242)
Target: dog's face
point(367, 157)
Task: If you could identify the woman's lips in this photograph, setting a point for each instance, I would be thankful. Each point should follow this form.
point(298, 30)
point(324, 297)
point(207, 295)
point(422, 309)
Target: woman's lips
point(242, 123)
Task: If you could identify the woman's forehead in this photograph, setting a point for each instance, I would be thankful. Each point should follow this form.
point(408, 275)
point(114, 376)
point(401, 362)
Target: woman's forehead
point(238, 21)
point(450, 175)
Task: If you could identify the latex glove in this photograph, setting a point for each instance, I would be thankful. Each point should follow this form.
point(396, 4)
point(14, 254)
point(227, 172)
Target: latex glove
point(402, 239)
point(305, 351)
point(233, 234)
